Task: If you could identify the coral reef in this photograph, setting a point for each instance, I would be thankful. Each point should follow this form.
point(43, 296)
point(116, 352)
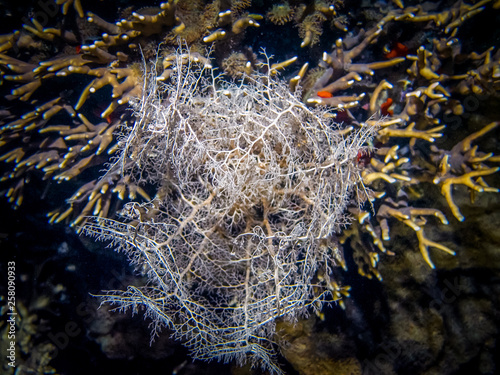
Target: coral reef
point(422, 78)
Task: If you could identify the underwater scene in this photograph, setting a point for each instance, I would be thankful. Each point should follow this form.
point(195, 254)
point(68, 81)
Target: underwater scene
point(249, 187)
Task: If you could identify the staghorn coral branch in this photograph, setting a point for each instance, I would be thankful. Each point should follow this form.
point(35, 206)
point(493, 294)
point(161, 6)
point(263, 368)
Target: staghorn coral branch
point(466, 144)
point(425, 243)
point(65, 4)
point(428, 135)
point(467, 180)
point(414, 218)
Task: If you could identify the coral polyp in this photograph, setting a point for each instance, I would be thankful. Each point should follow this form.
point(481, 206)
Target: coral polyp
point(280, 13)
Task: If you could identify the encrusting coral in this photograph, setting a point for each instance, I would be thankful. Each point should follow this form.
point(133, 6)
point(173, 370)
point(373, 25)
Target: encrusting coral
point(69, 85)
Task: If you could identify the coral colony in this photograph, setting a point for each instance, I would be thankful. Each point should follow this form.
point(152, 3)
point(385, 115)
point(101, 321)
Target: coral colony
point(252, 186)
point(233, 181)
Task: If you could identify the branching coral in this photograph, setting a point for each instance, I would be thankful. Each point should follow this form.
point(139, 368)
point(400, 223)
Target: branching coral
point(65, 4)
point(464, 165)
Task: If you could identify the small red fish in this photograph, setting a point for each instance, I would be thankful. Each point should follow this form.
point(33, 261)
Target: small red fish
point(398, 50)
point(343, 116)
point(364, 157)
point(384, 108)
point(324, 94)
point(78, 49)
